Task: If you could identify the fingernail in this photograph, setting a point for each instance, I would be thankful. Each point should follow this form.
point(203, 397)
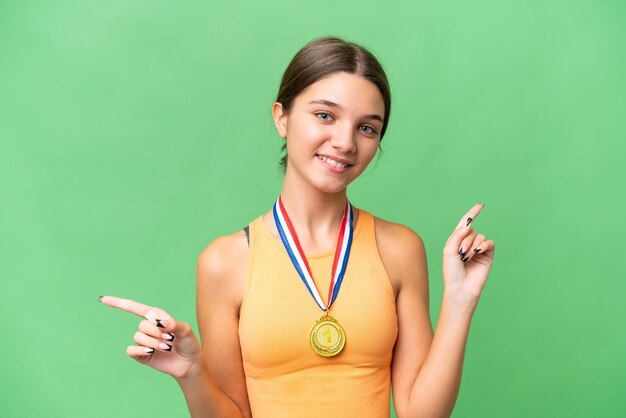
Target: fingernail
point(465, 259)
point(100, 299)
point(476, 250)
point(165, 347)
point(461, 250)
point(149, 350)
point(167, 336)
point(469, 220)
point(160, 324)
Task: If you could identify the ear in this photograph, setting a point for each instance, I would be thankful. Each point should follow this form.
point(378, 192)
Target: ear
point(280, 119)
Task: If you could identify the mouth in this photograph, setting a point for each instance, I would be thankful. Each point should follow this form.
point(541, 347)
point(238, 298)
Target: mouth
point(334, 162)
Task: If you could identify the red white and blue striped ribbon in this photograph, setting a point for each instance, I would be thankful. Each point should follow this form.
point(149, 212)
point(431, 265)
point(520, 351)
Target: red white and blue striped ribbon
point(298, 258)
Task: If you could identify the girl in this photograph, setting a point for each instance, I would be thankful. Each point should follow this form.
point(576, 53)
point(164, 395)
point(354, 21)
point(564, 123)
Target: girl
point(319, 307)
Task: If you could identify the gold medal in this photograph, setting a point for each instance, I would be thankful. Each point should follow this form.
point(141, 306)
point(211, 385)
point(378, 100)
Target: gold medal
point(327, 336)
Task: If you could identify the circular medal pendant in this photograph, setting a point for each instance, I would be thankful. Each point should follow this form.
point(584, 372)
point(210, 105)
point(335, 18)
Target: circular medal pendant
point(327, 336)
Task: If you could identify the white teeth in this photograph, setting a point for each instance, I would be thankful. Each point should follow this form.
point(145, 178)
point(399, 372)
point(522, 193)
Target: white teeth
point(332, 162)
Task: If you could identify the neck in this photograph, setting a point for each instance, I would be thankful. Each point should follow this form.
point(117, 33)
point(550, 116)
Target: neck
point(315, 215)
point(313, 211)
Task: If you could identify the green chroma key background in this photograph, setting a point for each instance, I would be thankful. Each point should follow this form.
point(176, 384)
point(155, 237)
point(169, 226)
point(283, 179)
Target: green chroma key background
point(134, 133)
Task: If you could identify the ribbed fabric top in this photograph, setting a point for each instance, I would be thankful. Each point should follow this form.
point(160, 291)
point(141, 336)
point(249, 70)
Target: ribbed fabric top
point(284, 376)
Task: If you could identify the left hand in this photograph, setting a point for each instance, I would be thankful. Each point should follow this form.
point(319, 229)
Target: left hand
point(163, 343)
point(465, 270)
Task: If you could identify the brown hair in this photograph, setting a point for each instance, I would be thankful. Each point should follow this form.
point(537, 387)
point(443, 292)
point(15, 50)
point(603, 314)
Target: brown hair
point(325, 56)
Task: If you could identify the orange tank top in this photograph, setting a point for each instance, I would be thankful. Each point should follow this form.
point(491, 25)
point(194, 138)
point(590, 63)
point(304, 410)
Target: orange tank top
point(284, 376)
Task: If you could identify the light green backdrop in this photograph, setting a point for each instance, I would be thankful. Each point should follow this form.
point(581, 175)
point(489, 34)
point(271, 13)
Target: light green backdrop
point(133, 133)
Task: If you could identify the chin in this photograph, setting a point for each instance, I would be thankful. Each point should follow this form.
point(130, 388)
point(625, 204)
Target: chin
point(331, 187)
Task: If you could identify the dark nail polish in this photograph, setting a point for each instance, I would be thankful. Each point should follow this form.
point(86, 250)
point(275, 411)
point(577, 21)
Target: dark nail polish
point(465, 259)
point(159, 324)
point(169, 337)
point(469, 220)
point(463, 254)
point(169, 347)
point(476, 250)
point(150, 350)
point(100, 298)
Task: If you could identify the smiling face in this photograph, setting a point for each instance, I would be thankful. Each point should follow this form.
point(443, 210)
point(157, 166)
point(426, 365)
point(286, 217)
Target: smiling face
point(332, 131)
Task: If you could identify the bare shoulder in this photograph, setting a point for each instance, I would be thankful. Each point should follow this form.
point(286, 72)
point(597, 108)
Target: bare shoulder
point(398, 241)
point(392, 233)
point(217, 257)
point(221, 269)
point(221, 272)
point(404, 257)
point(401, 250)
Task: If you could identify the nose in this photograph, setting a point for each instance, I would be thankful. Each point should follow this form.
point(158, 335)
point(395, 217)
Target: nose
point(344, 140)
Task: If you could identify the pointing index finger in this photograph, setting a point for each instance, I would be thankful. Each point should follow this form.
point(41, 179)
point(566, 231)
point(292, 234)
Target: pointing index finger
point(471, 215)
point(127, 305)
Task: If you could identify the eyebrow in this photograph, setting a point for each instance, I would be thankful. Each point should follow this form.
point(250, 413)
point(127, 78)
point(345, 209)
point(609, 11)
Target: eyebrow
point(338, 106)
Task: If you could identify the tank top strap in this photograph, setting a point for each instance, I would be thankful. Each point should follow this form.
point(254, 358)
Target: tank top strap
point(365, 224)
point(366, 246)
point(367, 235)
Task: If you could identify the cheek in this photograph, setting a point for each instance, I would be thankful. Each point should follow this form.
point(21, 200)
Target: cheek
point(308, 135)
point(369, 151)
point(313, 131)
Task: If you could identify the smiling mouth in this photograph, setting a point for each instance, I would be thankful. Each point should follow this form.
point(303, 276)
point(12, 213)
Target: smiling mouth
point(332, 162)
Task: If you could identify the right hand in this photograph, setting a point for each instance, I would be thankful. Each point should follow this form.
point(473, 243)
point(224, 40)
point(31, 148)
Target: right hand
point(184, 354)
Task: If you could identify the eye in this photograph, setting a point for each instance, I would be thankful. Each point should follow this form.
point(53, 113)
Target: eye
point(324, 116)
point(368, 129)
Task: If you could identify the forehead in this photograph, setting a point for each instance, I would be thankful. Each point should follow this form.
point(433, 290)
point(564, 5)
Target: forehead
point(351, 91)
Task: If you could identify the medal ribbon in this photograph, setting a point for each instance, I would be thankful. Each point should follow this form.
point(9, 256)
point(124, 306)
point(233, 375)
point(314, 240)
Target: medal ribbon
point(294, 250)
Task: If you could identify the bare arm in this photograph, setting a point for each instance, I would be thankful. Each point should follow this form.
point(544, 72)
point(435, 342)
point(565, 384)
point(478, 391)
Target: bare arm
point(221, 273)
point(426, 369)
point(204, 398)
point(171, 347)
point(211, 377)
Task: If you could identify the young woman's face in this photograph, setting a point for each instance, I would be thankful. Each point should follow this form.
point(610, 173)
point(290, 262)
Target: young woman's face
point(332, 131)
